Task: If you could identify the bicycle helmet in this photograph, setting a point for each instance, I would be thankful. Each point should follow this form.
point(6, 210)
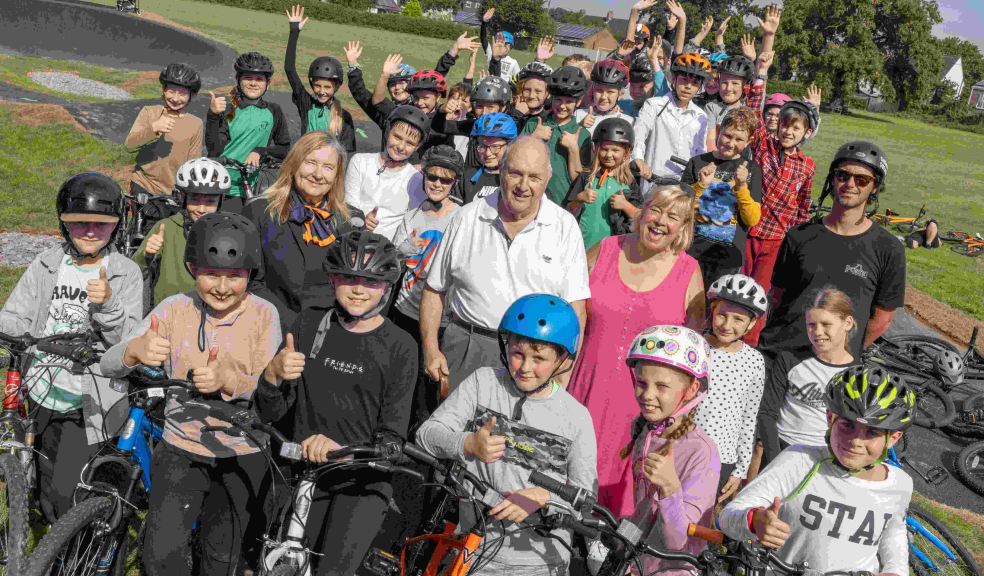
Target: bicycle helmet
point(641, 69)
point(741, 290)
point(203, 176)
point(181, 75)
point(411, 115)
point(691, 63)
point(873, 396)
point(495, 125)
point(542, 317)
point(737, 66)
point(406, 72)
point(507, 38)
point(535, 70)
point(428, 80)
point(776, 99)
point(492, 89)
point(89, 197)
point(806, 108)
point(446, 157)
point(614, 130)
point(716, 58)
point(253, 63)
point(610, 72)
point(567, 81)
point(867, 153)
point(326, 68)
point(224, 240)
point(950, 367)
point(364, 254)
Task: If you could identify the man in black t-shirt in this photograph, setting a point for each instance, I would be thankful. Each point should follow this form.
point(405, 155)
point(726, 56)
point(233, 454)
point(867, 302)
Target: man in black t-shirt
point(847, 251)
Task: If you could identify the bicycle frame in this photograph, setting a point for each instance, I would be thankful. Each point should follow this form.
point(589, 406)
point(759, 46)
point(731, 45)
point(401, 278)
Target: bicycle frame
point(133, 440)
point(292, 547)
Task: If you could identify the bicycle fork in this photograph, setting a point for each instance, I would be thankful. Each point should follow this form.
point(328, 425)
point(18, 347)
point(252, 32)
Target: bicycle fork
point(914, 525)
point(292, 548)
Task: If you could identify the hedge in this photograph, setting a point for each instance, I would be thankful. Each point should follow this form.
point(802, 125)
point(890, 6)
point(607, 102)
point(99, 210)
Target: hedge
point(326, 12)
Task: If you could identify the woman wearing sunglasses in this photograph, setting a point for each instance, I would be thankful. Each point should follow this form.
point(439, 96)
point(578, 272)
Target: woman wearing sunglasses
point(846, 251)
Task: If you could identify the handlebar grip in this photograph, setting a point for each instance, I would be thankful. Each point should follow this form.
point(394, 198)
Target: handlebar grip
point(567, 492)
point(678, 160)
point(77, 353)
point(589, 533)
point(420, 455)
point(704, 533)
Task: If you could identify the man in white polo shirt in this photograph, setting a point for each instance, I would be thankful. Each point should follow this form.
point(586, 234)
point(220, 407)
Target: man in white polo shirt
point(496, 249)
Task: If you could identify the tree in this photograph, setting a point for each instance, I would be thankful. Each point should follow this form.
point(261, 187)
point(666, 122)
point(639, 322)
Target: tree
point(973, 61)
point(412, 9)
point(525, 18)
point(903, 32)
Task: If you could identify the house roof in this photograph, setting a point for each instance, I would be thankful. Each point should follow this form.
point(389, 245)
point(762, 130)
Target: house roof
point(575, 31)
point(979, 84)
point(388, 5)
point(619, 27)
point(467, 18)
point(948, 62)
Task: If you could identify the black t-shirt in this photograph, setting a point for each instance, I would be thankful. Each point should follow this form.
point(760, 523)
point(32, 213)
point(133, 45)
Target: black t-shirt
point(868, 267)
point(356, 386)
point(726, 173)
point(485, 184)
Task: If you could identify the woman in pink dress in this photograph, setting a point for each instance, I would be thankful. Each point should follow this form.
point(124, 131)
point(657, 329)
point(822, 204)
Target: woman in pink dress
point(637, 280)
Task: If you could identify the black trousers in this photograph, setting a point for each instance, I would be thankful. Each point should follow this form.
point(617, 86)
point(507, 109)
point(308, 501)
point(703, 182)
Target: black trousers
point(62, 442)
point(225, 498)
point(716, 259)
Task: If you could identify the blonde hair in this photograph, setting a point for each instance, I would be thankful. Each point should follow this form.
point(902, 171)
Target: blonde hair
point(836, 302)
point(671, 198)
point(687, 423)
point(622, 173)
point(278, 195)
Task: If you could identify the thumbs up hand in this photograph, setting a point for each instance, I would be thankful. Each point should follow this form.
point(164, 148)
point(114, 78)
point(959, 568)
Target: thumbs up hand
point(542, 132)
point(98, 291)
point(149, 348)
point(706, 174)
point(217, 104)
point(288, 364)
point(659, 470)
point(484, 445)
point(206, 378)
point(741, 174)
point(570, 140)
point(372, 219)
point(770, 529)
point(155, 241)
point(589, 120)
point(163, 124)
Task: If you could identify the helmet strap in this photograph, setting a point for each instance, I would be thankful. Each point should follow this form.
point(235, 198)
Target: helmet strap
point(854, 471)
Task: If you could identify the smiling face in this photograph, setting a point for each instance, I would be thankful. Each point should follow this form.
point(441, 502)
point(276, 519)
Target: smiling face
point(402, 141)
point(490, 151)
point(315, 177)
point(253, 85)
point(324, 89)
point(531, 364)
point(729, 321)
point(612, 154)
point(661, 389)
point(605, 98)
point(771, 117)
point(792, 131)
point(426, 100)
point(686, 86)
point(199, 205)
point(482, 107)
point(856, 445)
point(731, 142)
point(525, 179)
point(854, 183)
point(398, 91)
point(222, 289)
point(713, 84)
point(176, 97)
point(828, 332)
point(356, 295)
point(659, 226)
point(731, 88)
point(90, 233)
point(534, 93)
point(438, 182)
point(563, 107)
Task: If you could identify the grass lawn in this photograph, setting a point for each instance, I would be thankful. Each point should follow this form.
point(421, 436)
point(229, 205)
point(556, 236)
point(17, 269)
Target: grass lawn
point(14, 70)
point(8, 278)
point(968, 527)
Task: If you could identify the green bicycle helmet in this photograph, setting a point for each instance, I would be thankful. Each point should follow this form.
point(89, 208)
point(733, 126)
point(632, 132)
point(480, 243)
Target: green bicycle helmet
point(873, 396)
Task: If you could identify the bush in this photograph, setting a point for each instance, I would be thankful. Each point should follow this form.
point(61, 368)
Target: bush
point(339, 14)
point(412, 9)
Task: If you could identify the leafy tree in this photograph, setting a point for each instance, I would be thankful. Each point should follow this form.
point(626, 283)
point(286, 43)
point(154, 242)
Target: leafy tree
point(354, 4)
point(903, 32)
point(525, 18)
point(412, 9)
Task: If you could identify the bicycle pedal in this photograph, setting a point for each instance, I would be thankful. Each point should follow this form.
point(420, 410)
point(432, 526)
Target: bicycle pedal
point(381, 563)
point(937, 475)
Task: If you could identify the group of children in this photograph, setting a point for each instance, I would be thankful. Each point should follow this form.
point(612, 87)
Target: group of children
point(703, 398)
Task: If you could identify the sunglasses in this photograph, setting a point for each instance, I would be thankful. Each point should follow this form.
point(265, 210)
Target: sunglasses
point(441, 179)
point(861, 180)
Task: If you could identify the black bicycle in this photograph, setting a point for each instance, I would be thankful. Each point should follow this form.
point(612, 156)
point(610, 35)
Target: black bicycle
point(255, 179)
point(140, 212)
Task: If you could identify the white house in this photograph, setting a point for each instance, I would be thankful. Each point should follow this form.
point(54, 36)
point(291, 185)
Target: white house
point(977, 96)
point(953, 73)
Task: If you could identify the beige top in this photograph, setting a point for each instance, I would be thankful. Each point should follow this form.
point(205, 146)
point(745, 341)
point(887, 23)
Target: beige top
point(160, 156)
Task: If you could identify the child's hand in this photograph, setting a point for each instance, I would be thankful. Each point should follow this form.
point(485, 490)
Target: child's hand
point(217, 104)
point(155, 242)
point(587, 196)
point(765, 62)
point(659, 470)
point(99, 292)
point(418, 242)
point(772, 532)
point(163, 125)
point(545, 49)
point(464, 43)
point(288, 364)
point(618, 202)
point(483, 445)
point(488, 14)
point(676, 14)
point(542, 132)
point(317, 447)
point(589, 120)
point(655, 54)
point(644, 170)
point(149, 348)
point(452, 106)
point(722, 27)
point(520, 504)
point(522, 106)
point(570, 140)
point(625, 48)
point(748, 47)
point(392, 64)
point(706, 26)
point(643, 5)
point(353, 51)
point(741, 174)
point(206, 379)
point(296, 14)
point(706, 174)
point(773, 14)
point(813, 94)
point(253, 159)
point(372, 219)
point(729, 489)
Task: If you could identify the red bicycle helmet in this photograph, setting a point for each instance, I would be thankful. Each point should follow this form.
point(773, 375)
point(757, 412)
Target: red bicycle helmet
point(428, 80)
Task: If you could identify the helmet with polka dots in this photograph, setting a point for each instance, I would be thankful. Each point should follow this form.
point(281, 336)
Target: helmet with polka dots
point(675, 346)
point(741, 290)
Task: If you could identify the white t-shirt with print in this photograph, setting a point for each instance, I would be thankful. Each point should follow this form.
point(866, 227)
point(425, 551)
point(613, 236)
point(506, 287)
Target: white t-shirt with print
point(392, 190)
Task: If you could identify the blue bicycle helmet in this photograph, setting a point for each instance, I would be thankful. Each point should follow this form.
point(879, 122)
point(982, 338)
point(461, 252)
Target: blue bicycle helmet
point(507, 37)
point(406, 72)
point(542, 317)
point(716, 58)
point(495, 125)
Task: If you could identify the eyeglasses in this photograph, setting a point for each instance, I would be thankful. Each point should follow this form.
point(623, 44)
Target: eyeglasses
point(861, 180)
point(496, 148)
point(441, 179)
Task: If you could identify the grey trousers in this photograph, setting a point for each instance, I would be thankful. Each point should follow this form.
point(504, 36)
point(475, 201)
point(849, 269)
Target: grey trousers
point(467, 351)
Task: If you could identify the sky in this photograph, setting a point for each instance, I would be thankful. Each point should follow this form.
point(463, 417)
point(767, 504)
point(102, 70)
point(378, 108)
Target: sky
point(963, 18)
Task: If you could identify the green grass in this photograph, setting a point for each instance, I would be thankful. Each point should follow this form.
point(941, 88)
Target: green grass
point(15, 69)
point(9, 275)
point(967, 527)
point(939, 167)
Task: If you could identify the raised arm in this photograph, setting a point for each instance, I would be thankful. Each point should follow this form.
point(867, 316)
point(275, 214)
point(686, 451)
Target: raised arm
point(295, 16)
point(769, 26)
point(680, 37)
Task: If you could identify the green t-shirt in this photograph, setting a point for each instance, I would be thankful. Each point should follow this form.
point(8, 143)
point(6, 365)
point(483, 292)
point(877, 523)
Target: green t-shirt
point(250, 128)
point(173, 277)
point(594, 219)
point(560, 181)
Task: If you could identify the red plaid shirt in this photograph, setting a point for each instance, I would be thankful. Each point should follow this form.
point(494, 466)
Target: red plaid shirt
point(787, 179)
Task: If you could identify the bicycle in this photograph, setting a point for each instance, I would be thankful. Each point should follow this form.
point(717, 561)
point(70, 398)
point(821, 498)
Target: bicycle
point(903, 224)
point(17, 433)
point(970, 465)
point(140, 213)
point(254, 184)
point(934, 407)
point(973, 246)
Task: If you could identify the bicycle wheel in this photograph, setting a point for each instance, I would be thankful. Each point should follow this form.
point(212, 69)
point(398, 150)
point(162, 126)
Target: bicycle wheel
point(934, 407)
point(954, 236)
point(75, 544)
point(968, 249)
point(284, 570)
point(13, 516)
point(908, 354)
point(963, 429)
point(907, 227)
point(970, 467)
point(958, 562)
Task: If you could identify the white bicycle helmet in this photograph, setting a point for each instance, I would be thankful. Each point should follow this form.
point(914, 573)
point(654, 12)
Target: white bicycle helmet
point(675, 346)
point(203, 176)
point(950, 367)
point(741, 290)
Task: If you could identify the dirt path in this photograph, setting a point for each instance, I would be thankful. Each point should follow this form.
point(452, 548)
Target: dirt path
point(951, 323)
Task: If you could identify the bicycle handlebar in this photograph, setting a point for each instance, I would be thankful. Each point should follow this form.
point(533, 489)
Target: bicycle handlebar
point(75, 346)
point(574, 495)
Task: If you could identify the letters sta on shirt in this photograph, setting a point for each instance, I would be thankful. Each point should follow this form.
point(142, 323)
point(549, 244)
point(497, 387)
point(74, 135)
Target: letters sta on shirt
point(815, 509)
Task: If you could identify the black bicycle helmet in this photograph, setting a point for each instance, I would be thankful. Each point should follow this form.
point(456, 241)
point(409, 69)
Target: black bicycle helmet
point(641, 69)
point(614, 130)
point(326, 68)
point(89, 196)
point(871, 395)
point(364, 254)
point(224, 240)
point(535, 70)
point(806, 108)
point(737, 66)
point(867, 153)
point(610, 72)
point(492, 89)
point(253, 63)
point(567, 81)
point(446, 157)
point(411, 115)
point(181, 75)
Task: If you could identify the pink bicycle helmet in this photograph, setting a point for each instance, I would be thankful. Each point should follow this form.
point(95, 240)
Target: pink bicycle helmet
point(776, 99)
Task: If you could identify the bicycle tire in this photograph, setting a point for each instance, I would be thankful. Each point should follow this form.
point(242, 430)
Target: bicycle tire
point(907, 227)
point(284, 570)
point(936, 415)
point(963, 429)
point(66, 533)
point(966, 565)
point(968, 249)
point(974, 369)
point(970, 466)
point(955, 236)
point(13, 521)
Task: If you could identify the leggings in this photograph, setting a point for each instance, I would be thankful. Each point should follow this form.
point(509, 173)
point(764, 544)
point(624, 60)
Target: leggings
point(62, 440)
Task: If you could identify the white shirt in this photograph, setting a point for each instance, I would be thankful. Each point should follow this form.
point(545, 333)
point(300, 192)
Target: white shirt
point(838, 522)
point(803, 415)
point(663, 129)
point(484, 272)
point(393, 190)
point(580, 113)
